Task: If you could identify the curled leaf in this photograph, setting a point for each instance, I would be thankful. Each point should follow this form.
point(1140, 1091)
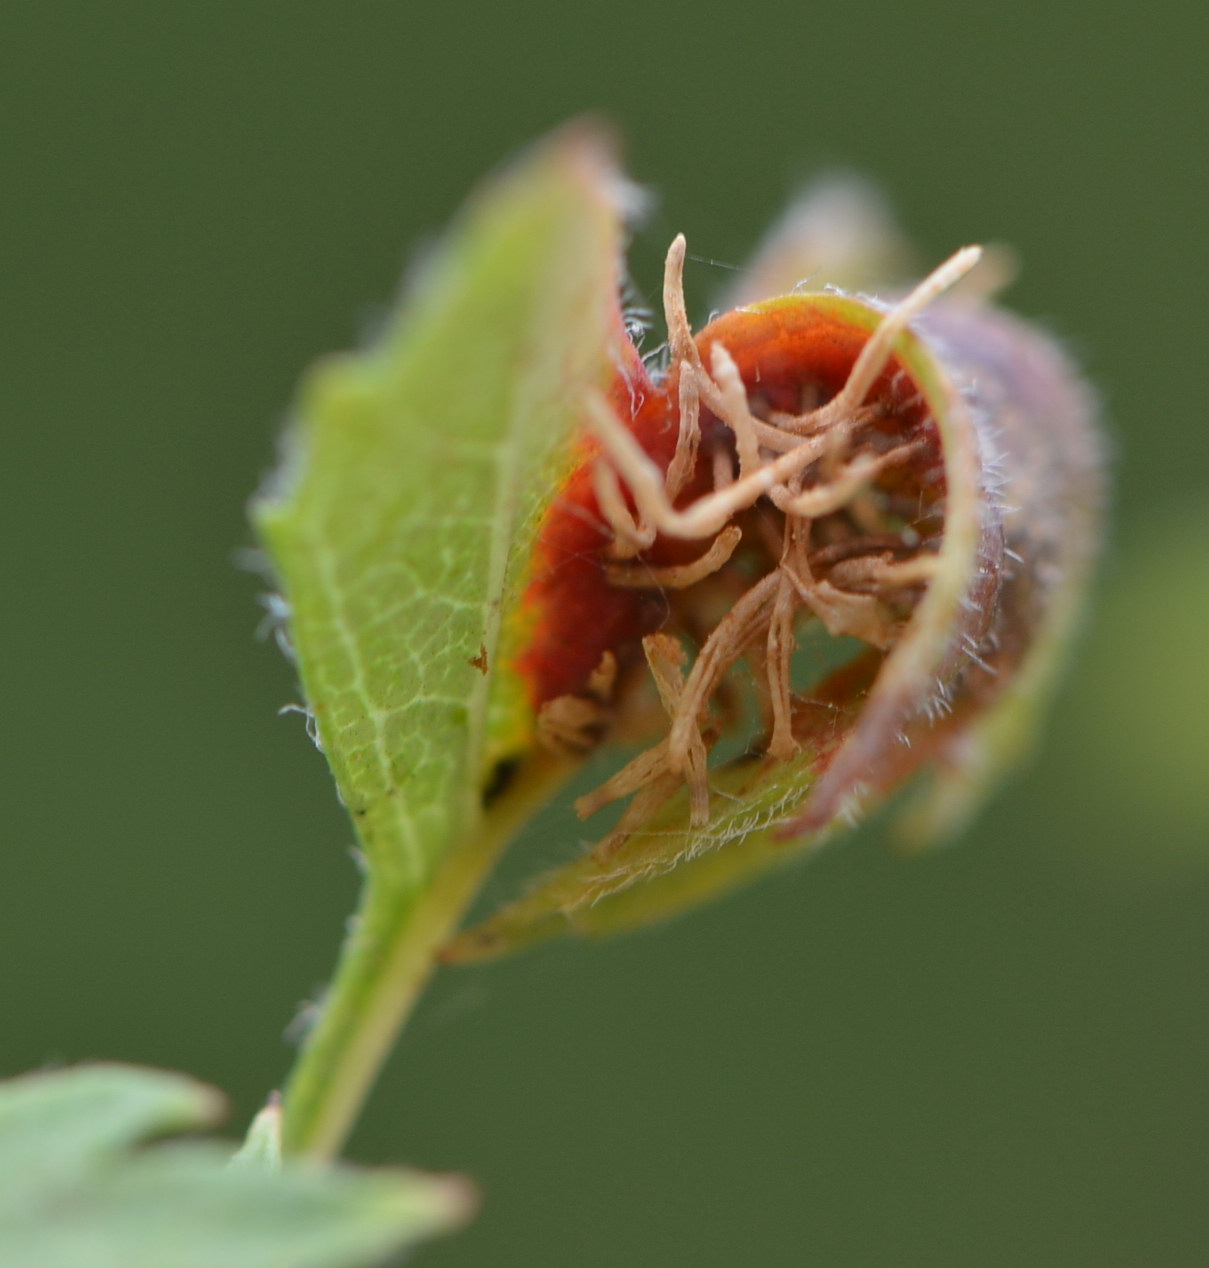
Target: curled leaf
point(922, 476)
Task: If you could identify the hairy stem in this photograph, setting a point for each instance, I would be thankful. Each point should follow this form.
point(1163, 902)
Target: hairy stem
point(384, 967)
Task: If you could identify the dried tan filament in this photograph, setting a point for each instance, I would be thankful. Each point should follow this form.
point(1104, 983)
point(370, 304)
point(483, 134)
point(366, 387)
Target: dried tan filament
point(651, 775)
point(781, 743)
point(809, 467)
point(730, 639)
point(677, 576)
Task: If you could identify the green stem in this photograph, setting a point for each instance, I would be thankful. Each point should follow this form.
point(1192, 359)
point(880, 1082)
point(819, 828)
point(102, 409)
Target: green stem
point(384, 967)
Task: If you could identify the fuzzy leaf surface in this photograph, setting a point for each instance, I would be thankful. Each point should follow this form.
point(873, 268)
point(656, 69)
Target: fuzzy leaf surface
point(414, 474)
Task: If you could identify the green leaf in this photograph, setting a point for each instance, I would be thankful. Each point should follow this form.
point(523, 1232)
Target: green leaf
point(75, 1192)
point(401, 526)
point(413, 481)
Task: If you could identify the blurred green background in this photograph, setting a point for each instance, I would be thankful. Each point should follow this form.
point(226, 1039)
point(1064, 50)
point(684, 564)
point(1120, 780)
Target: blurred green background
point(995, 1055)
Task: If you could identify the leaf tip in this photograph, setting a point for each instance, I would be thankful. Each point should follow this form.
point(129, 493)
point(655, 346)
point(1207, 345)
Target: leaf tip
point(262, 1146)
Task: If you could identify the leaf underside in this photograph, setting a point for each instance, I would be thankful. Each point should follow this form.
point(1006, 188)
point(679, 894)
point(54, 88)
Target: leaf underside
point(412, 477)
